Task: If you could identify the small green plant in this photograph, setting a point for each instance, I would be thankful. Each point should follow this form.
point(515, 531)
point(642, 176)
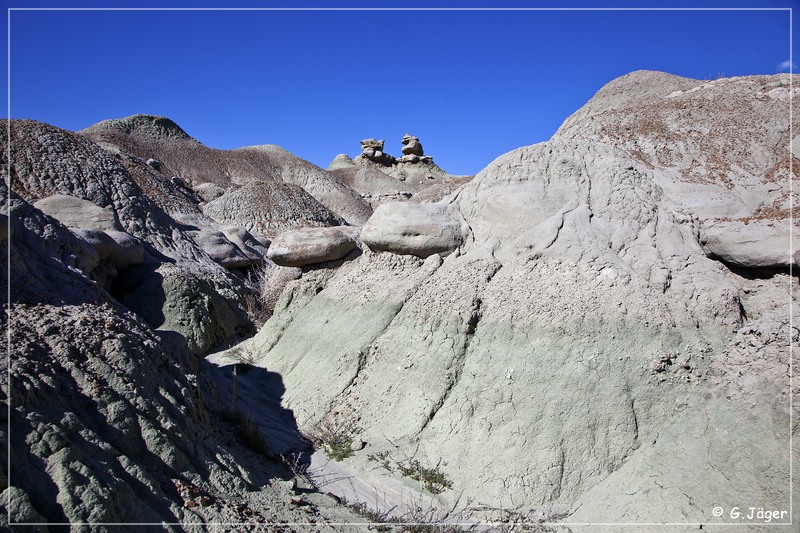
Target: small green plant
point(382, 458)
point(433, 479)
point(334, 434)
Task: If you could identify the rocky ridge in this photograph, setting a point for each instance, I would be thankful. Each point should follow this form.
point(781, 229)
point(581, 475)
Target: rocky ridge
point(198, 166)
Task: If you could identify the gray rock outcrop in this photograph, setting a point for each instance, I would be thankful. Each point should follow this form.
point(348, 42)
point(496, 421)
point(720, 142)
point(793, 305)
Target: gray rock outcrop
point(413, 229)
point(579, 349)
point(411, 145)
point(170, 278)
point(372, 150)
point(110, 421)
point(735, 187)
point(149, 136)
point(77, 213)
point(760, 243)
point(341, 161)
point(308, 246)
point(219, 248)
point(270, 209)
point(594, 329)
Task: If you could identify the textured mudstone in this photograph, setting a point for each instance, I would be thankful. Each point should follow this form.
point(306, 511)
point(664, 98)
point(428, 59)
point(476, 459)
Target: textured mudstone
point(341, 161)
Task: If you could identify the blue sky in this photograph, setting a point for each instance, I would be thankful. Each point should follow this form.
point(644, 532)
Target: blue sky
point(471, 85)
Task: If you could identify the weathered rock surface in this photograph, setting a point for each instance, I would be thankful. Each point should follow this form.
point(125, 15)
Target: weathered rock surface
point(111, 423)
point(270, 209)
point(556, 337)
point(77, 213)
point(309, 246)
point(396, 180)
point(209, 191)
point(219, 248)
point(47, 161)
point(579, 335)
point(147, 136)
point(725, 167)
point(413, 229)
point(372, 150)
point(341, 161)
point(760, 243)
point(411, 145)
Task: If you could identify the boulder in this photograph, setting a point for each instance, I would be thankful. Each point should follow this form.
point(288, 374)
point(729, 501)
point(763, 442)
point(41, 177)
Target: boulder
point(410, 158)
point(99, 240)
point(412, 229)
point(155, 163)
point(411, 145)
point(77, 213)
point(752, 244)
point(308, 246)
point(249, 244)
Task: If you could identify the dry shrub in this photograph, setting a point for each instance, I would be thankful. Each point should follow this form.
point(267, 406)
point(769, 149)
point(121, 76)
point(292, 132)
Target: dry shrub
point(267, 282)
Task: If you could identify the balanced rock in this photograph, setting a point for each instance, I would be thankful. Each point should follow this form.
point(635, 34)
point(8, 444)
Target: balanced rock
point(411, 145)
point(412, 229)
point(76, 212)
point(308, 246)
point(370, 146)
point(372, 149)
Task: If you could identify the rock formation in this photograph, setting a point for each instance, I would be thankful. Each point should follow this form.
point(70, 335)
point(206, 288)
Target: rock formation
point(112, 422)
point(311, 246)
point(413, 229)
point(411, 145)
point(180, 155)
point(380, 178)
point(581, 330)
point(594, 329)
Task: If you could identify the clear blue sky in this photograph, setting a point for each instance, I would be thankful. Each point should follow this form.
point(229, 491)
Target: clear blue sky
point(472, 85)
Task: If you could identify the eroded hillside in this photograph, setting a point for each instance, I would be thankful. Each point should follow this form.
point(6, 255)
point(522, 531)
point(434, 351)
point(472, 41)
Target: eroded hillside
point(594, 329)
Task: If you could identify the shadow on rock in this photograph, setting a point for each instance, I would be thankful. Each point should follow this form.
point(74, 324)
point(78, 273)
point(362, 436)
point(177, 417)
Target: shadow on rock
point(249, 398)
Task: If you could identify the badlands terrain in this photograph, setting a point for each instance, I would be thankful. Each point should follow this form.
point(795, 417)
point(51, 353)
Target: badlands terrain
point(591, 334)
